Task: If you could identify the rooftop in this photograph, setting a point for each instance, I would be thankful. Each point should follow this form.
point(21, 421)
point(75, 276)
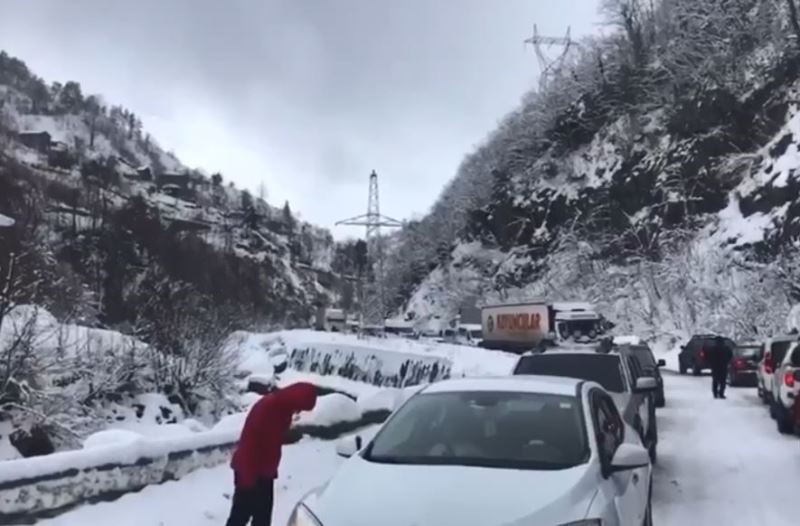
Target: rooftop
point(525, 384)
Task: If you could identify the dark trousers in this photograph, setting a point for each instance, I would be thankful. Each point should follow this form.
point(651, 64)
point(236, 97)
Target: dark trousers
point(718, 382)
point(252, 503)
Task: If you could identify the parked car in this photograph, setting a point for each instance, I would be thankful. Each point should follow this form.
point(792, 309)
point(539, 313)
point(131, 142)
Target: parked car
point(694, 355)
point(649, 365)
point(796, 414)
point(785, 388)
point(774, 352)
point(631, 392)
point(744, 367)
point(491, 451)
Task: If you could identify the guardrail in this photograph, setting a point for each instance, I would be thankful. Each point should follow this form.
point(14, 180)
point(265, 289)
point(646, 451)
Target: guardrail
point(42, 487)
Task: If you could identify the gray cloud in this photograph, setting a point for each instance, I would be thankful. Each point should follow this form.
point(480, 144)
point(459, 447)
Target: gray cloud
point(307, 96)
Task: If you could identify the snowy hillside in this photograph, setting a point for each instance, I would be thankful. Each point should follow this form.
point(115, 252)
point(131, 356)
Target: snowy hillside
point(655, 176)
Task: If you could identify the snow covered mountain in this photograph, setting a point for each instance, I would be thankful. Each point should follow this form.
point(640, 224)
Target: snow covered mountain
point(656, 175)
point(117, 213)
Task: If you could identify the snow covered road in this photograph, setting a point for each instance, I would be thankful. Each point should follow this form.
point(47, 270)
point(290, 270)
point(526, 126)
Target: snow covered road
point(722, 461)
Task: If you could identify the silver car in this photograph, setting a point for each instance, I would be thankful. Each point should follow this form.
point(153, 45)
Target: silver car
point(633, 394)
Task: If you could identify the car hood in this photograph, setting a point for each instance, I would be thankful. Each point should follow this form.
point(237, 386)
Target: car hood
point(365, 493)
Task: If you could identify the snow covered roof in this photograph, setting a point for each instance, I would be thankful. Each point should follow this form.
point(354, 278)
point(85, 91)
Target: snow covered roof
point(573, 305)
point(6, 221)
point(525, 384)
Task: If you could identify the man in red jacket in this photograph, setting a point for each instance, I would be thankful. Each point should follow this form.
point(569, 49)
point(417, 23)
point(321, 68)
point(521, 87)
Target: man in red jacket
point(258, 454)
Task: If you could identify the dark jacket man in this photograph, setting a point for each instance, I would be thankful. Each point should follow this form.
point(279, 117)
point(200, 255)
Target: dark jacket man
point(719, 358)
point(258, 453)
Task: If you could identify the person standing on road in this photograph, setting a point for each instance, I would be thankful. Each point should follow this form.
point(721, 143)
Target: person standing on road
point(258, 453)
point(719, 358)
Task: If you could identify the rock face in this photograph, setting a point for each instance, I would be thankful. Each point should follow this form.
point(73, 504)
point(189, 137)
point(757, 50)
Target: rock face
point(33, 442)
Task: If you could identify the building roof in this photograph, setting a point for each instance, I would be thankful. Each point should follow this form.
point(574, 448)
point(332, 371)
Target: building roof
point(524, 384)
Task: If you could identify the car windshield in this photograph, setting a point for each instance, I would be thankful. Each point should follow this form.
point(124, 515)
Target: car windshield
point(488, 429)
point(605, 369)
point(747, 352)
point(476, 334)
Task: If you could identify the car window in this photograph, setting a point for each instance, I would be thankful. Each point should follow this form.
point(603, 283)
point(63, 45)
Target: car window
point(794, 361)
point(635, 370)
point(645, 356)
point(747, 352)
point(779, 351)
point(489, 429)
point(609, 429)
point(605, 369)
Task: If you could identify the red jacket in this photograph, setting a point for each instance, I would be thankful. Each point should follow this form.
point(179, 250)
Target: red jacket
point(258, 452)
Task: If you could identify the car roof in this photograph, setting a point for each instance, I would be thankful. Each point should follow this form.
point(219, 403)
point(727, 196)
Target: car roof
point(566, 352)
point(521, 383)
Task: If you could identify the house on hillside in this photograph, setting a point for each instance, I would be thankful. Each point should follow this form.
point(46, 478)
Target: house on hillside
point(179, 185)
point(60, 155)
point(39, 141)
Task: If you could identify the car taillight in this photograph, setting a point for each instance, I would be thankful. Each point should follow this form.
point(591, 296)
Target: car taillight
point(768, 363)
point(702, 354)
point(739, 363)
point(788, 379)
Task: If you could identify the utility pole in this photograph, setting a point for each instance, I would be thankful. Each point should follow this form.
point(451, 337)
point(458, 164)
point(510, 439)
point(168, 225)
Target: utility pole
point(373, 303)
point(547, 67)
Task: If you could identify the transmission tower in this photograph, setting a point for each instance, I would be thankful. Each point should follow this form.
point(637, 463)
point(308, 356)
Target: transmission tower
point(548, 67)
point(373, 303)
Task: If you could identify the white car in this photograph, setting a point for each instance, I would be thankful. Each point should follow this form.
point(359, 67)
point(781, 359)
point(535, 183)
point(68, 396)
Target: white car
point(618, 373)
point(512, 451)
point(774, 351)
point(786, 388)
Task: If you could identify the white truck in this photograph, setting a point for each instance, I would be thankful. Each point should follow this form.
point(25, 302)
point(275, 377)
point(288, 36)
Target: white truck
point(521, 327)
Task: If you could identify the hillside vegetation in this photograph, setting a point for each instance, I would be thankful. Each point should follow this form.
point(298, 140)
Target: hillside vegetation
point(655, 175)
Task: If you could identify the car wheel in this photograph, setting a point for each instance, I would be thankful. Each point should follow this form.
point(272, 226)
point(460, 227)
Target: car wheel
point(785, 425)
point(653, 451)
point(696, 370)
point(681, 366)
point(732, 380)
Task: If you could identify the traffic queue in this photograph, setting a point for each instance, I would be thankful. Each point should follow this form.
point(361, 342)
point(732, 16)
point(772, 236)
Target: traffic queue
point(772, 367)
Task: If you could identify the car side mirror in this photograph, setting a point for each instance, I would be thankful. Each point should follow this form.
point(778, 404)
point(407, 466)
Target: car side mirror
point(348, 446)
point(646, 384)
point(662, 362)
point(629, 456)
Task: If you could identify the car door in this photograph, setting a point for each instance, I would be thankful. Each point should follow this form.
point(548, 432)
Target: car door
point(642, 402)
point(629, 491)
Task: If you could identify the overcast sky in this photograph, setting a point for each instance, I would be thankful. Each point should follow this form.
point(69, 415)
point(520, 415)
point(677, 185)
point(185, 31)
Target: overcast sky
point(306, 96)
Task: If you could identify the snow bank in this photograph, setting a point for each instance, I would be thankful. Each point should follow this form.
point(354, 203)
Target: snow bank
point(6, 221)
point(111, 437)
point(331, 409)
point(116, 462)
point(392, 362)
point(384, 400)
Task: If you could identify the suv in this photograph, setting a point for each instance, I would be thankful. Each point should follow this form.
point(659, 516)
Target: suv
point(774, 353)
point(631, 392)
point(649, 366)
point(744, 367)
point(785, 388)
point(693, 354)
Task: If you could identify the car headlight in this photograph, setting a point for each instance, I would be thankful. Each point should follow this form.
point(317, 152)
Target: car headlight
point(302, 516)
point(585, 522)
